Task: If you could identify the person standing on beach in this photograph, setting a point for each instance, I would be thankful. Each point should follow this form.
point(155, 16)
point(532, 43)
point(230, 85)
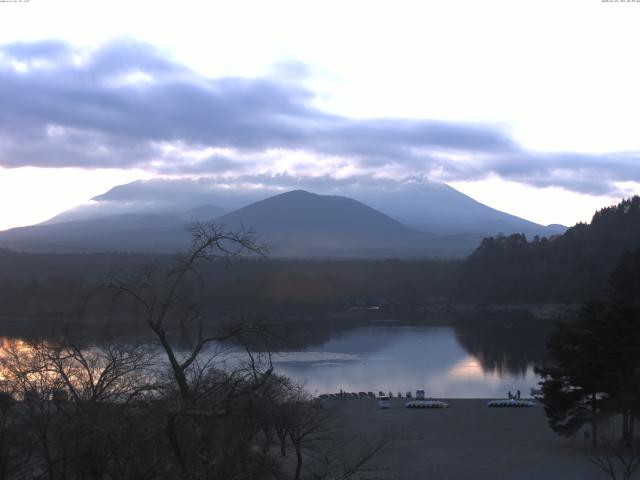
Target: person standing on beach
point(510, 396)
point(518, 394)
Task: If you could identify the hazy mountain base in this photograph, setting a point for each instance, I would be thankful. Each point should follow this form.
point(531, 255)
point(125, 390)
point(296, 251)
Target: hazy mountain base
point(296, 224)
point(419, 204)
point(164, 235)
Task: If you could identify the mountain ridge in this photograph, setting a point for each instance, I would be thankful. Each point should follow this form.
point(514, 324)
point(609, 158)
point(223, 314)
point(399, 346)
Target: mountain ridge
point(297, 224)
point(426, 206)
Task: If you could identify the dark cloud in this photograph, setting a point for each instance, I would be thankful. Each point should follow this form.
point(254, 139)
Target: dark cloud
point(121, 104)
point(48, 50)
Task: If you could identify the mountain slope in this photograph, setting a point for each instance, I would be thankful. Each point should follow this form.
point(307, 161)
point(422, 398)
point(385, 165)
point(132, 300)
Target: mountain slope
point(441, 209)
point(422, 205)
point(296, 210)
point(300, 223)
point(125, 233)
point(202, 213)
point(296, 224)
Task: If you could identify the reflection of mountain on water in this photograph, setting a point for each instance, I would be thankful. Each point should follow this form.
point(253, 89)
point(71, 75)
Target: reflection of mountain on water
point(311, 331)
point(504, 341)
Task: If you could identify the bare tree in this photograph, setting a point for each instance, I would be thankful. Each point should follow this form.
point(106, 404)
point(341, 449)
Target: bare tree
point(158, 294)
point(309, 425)
point(208, 410)
point(323, 452)
point(27, 377)
point(59, 386)
point(618, 458)
point(9, 436)
point(117, 373)
point(344, 458)
point(214, 425)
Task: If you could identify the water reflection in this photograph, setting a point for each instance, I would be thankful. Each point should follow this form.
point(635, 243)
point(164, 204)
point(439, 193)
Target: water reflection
point(507, 342)
point(400, 359)
point(464, 355)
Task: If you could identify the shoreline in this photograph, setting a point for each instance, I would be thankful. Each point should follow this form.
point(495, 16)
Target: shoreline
point(467, 441)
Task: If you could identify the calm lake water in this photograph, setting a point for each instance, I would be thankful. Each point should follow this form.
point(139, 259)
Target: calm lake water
point(405, 358)
point(480, 355)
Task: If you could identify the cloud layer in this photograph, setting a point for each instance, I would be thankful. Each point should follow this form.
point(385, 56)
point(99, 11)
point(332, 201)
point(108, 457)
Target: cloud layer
point(125, 105)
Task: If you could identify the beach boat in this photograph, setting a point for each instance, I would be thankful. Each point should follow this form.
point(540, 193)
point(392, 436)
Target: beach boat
point(426, 404)
point(384, 402)
point(511, 403)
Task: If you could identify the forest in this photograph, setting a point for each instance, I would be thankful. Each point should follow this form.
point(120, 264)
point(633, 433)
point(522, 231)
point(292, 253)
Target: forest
point(511, 269)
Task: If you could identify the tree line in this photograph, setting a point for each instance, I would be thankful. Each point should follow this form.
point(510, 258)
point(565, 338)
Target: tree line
point(572, 267)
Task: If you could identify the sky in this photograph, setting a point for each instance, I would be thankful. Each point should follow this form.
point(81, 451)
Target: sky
point(529, 107)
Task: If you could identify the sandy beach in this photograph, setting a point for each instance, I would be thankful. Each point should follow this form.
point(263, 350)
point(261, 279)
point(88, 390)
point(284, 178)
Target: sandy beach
point(466, 441)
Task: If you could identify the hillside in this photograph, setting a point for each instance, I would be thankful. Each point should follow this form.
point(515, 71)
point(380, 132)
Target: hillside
point(125, 233)
point(421, 205)
point(571, 266)
point(302, 223)
point(440, 209)
point(295, 224)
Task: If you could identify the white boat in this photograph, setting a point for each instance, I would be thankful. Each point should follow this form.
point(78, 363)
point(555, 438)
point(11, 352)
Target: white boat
point(384, 402)
point(511, 403)
point(426, 404)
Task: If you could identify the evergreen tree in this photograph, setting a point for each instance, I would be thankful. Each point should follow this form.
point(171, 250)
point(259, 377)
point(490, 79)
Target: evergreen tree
point(575, 386)
point(595, 370)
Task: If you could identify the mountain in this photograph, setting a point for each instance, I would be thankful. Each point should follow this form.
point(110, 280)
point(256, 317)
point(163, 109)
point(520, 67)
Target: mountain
point(441, 209)
point(124, 233)
point(202, 213)
point(128, 232)
point(422, 205)
point(299, 210)
point(295, 224)
point(303, 223)
point(95, 210)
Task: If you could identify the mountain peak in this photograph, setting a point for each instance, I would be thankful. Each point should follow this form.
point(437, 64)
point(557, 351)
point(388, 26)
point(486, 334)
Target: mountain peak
point(300, 192)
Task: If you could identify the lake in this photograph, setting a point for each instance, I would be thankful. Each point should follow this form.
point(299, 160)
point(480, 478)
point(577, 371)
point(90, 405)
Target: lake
point(405, 358)
point(479, 354)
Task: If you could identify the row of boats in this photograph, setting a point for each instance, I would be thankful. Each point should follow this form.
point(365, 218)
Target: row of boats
point(420, 401)
point(385, 402)
point(347, 395)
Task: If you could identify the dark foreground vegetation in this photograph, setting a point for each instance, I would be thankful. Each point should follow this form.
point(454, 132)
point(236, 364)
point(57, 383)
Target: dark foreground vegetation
point(72, 410)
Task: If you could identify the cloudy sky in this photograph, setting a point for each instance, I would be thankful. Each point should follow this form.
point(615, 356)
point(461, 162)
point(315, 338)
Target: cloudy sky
point(529, 107)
